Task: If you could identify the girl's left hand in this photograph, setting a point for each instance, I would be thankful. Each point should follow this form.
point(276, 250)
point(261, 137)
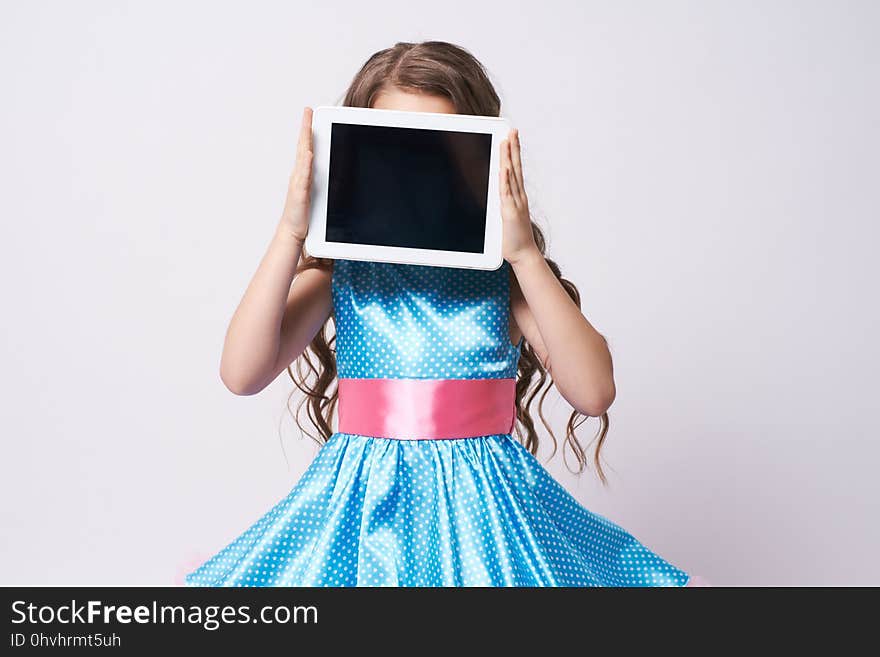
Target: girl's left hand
point(517, 237)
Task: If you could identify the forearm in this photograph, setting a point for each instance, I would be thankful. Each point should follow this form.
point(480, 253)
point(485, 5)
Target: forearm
point(578, 356)
point(250, 350)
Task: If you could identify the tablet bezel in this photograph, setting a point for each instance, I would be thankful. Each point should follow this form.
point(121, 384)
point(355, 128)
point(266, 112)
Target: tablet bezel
point(323, 118)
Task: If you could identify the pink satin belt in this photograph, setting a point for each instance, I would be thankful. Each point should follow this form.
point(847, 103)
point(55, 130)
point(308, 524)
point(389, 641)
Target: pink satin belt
point(418, 409)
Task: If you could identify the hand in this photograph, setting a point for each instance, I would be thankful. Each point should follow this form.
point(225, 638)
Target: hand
point(295, 218)
point(518, 239)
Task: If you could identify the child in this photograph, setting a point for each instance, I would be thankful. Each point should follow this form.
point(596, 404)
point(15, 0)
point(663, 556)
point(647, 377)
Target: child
point(424, 484)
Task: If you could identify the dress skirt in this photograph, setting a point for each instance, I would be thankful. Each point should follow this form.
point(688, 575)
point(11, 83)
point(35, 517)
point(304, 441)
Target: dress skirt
point(479, 511)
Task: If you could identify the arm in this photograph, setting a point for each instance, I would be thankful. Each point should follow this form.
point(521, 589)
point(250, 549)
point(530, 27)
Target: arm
point(278, 315)
point(575, 354)
point(275, 321)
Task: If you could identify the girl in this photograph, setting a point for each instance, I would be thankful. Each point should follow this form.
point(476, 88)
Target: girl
point(454, 499)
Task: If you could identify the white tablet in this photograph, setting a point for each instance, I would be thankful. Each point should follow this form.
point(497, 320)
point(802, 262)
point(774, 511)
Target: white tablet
point(408, 187)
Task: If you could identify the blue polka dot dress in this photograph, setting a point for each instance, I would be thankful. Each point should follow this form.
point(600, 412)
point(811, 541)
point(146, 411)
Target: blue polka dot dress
point(474, 511)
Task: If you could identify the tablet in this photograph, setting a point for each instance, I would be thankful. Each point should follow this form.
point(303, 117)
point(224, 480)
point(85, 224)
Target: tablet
point(407, 187)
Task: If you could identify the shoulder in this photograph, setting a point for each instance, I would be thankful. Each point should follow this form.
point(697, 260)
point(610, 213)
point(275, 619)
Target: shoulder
point(314, 275)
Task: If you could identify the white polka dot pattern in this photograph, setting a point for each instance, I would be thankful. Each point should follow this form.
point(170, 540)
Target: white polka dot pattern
point(455, 512)
point(422, 322)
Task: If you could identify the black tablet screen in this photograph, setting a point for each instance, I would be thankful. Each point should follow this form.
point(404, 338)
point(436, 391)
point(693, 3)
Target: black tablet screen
point(408, 187)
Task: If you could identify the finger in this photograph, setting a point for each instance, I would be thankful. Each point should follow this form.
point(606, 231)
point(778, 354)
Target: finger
point(511, 197)
point(306, 170)
point(514, 182)
point(516, 161)
point(302, 164)
point(301, 181)
point(503, 181)
point(306, 184)
point(504, 172)
point(305, 133)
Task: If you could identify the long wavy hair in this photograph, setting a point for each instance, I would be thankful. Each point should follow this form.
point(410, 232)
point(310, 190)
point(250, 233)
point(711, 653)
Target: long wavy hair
point(444, 69)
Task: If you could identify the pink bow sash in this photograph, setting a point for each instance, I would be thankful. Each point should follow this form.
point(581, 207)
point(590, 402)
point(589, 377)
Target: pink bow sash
point(417, 409)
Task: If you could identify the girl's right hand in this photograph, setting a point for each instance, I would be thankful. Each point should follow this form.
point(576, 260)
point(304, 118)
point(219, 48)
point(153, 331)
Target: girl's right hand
point(295, 218)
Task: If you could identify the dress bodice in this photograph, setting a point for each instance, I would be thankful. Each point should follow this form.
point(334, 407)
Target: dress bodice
point(418, 321)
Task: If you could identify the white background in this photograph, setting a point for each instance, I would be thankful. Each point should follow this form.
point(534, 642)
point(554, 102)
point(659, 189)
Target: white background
point(707, 173)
